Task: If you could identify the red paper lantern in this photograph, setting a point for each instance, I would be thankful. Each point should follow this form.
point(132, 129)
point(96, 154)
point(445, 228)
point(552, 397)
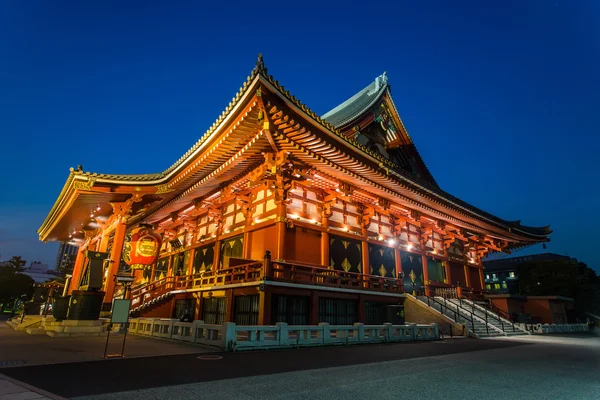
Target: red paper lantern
point(142, 246)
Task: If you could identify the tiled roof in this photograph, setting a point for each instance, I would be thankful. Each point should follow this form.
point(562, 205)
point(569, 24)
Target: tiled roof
point(358, 103)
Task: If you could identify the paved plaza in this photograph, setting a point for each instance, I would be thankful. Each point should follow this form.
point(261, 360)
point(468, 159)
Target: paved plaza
point(547, 367)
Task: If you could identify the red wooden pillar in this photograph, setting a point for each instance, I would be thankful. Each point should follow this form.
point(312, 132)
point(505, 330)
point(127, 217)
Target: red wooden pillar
point(280, 224)
point(425, 273)
point(366, 267)
point(362, 311)
point(247, 249)
point(467, 277)
point(77, 270)
point(115, 259)
point(230, 306)
point(217, 256)
point(264, 307)
point(190, 266)
point(481, 281)
point(398, 262)
point(325, 242)
point(446, 265)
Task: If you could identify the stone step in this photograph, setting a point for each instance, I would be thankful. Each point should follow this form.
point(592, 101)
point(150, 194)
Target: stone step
point(35, 331)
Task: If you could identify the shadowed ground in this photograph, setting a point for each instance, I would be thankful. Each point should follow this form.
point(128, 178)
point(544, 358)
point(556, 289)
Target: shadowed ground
point(517, 368)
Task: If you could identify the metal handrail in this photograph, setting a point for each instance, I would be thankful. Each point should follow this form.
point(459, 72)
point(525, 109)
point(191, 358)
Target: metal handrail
point(445, 306)
point(495, 313)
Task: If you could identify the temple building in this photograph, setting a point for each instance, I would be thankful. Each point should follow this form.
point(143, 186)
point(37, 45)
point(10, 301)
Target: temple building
point(277, 214)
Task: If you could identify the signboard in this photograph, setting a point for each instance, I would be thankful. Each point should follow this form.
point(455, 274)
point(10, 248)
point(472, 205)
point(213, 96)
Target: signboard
point(120, 311)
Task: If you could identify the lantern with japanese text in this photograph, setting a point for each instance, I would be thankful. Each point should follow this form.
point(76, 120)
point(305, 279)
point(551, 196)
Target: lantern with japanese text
point(141, 247)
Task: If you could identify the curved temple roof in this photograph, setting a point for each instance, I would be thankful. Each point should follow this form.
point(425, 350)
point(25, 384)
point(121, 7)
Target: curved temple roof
point(347, 112)
point(357, 104)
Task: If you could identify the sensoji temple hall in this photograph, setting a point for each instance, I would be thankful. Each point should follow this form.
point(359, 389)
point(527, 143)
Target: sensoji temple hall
point(277, 214)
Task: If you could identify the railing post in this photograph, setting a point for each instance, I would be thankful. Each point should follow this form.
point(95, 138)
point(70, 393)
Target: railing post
point(361, 331)
point(487, 327)
point(283, 333)
point(389, 330)
point(195, 328)
point(229, 336)
point(267, 265)
point(325, 332)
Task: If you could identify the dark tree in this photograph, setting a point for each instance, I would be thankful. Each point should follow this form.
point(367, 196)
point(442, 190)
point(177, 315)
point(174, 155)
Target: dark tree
point(562, 278)
point(14, 286)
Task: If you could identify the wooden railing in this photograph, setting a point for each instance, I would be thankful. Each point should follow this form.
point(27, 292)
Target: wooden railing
point(238, 274)
point(311, 275)
point(283, 271)
point(447, 293)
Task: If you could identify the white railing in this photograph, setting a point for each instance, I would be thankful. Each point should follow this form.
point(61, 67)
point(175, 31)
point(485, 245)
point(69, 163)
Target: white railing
point(193, 332)
point(554, 328)
point(231, 337)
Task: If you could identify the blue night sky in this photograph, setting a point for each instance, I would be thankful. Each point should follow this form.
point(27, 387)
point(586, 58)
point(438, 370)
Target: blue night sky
point(500, 97)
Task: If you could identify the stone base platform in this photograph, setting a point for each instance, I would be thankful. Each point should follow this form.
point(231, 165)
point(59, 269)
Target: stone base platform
point(74, 328)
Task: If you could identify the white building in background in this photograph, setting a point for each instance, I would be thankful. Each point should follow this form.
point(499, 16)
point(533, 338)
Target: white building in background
point(39, 272)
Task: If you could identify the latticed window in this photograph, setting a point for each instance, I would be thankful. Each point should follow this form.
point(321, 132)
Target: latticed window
point(246, 310)
point(290, 309)
point(214, 310)
point(338, 311)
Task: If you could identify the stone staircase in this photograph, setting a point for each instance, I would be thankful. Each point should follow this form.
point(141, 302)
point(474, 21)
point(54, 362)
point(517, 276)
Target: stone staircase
point(474, 321)
point(38, 325)
point(493, 319)
point(28, 322)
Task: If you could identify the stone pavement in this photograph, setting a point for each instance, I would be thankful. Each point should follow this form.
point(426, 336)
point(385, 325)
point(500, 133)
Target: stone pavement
point(19, 349)
point(132, 374)
point(11, 389)
point(519, 368)
point(557, 368)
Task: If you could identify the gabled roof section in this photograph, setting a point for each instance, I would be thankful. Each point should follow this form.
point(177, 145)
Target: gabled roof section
point(371, 117)
point(356, 105)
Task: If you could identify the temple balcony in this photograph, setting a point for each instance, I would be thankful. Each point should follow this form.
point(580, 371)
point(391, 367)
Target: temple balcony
point(266, 272)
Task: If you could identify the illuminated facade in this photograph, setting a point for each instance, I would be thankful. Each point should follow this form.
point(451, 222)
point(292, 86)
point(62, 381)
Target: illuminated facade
point(277, 214)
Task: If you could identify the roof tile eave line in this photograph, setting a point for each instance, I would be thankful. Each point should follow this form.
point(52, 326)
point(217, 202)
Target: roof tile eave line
point(43, 229)
point(248, 83)
point(149, 178)
point(417, 203)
